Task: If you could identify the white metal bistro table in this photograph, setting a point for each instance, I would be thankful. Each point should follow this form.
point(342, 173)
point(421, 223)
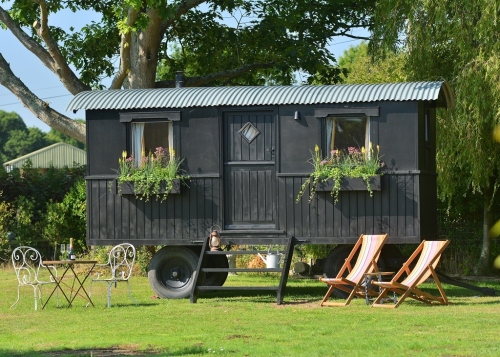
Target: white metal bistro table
point(75, 287)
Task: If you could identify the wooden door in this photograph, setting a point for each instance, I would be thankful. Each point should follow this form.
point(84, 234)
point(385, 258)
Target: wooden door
point(249, 170)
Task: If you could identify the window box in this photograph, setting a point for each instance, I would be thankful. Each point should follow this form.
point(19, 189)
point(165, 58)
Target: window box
point(351, 184)
point(127, 188)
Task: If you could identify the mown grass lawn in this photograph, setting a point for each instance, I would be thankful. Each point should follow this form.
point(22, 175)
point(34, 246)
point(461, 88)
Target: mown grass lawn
point(233, 324)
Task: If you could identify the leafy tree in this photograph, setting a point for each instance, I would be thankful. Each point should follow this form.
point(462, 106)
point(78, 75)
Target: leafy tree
point(67, 219)
point(265, 42)
point(361, 67)
point(22, 142)
point(9, 123)
point(457, 41)
point(6, 214)
point(54, 136)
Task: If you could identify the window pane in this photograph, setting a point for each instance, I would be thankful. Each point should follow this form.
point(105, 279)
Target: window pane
point(146, 137)
point(345, 132)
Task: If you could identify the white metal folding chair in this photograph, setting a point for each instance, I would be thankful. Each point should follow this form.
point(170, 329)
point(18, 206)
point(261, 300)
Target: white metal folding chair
point(27, 263)
point(120, 263)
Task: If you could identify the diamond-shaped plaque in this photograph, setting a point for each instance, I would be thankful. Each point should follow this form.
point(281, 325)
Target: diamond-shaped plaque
point(249, 132)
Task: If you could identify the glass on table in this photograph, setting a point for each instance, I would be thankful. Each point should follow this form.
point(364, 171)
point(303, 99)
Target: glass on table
point(63, 249)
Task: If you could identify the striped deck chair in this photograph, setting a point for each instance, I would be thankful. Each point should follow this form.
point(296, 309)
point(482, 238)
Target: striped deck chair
point(368, 248)
point(430, 253)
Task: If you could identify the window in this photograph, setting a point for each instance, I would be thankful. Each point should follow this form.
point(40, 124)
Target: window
point(343, 132)
point(148, 136)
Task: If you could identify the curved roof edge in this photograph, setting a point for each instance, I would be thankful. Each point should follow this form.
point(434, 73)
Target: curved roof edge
point(439, 92)
point(448, 94)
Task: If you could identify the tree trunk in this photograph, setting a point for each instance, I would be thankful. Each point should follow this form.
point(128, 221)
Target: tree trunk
point(482, 265)
point(144, 53)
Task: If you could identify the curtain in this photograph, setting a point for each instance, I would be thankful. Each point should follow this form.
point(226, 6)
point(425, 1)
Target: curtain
point(330, 135)
point(367, 137)
point(137, 142)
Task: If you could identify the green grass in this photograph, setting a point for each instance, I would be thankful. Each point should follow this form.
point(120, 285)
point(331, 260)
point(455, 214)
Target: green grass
point(250, 325)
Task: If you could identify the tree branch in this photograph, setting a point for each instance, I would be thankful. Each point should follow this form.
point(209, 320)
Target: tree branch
point(59, 65)
point(38, 107)
point(184, 7)
point(202, 80)
point(125, 56)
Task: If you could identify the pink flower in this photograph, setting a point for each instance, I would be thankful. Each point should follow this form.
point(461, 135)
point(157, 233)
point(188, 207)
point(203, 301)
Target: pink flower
point(323, 162)
point(352, 150)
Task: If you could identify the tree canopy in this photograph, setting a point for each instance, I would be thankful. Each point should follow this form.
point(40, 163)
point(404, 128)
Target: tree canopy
point(456, 41)
point(361, 67)
point(216, 42)
point(17, 140)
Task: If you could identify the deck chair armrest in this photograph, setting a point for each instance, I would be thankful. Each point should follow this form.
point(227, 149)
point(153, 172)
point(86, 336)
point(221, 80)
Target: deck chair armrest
point(390, 285)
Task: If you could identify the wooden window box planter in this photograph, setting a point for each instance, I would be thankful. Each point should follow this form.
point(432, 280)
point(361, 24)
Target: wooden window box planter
point(351, 184)
point(127, 188)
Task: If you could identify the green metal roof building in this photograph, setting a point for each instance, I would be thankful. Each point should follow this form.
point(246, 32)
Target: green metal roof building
point(58, 155)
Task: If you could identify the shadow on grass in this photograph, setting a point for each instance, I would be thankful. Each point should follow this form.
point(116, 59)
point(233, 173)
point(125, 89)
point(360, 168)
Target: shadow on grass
point(295, 295)
point(105, 352)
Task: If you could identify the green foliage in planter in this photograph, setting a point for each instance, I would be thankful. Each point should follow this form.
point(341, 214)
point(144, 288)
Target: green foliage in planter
point(154, 176)
point(340, 165)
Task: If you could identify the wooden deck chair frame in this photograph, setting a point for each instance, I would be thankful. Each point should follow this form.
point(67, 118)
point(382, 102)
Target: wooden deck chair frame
point(368, 248)
point(429, 253)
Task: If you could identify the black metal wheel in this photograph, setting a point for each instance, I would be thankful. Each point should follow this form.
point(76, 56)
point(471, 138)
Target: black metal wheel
point(334, 263)
point(171, 272)
point(216, 279)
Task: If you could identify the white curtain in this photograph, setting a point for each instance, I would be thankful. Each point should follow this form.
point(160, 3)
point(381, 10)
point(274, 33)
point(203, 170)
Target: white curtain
point(137, 142)
point(367, 136)
point(330, 135)
point(170, 136)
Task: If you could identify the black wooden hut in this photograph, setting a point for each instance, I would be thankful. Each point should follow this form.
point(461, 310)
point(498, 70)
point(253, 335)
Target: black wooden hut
point(246, 151)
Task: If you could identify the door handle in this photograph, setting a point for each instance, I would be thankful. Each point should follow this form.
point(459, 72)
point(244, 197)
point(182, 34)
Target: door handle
point(271, 150)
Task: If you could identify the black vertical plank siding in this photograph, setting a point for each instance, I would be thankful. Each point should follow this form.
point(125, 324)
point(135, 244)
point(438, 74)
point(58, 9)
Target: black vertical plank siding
point(290, 207)
point(245, 204)
point(318, 216)
point(369, 214)
point(201, 223)
point(281, 201)
point(185, 209)
point(254, 149)
point(125, 217)
point(140, 218)
point(324, 213)
point(93, 202)
point(192, 227)
point(103, 220)
point(361, 212)
point(392, 204)
point(162, 218)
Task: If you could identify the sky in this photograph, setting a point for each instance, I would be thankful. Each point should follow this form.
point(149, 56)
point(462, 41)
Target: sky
point(41, 81)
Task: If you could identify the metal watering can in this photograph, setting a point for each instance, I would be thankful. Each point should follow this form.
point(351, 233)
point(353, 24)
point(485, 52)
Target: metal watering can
point(272, 260)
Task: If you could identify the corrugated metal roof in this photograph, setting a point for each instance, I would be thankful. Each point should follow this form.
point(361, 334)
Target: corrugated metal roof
point(271, 95)
point(60, 155)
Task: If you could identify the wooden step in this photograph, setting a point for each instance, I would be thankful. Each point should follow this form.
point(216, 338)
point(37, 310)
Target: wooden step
point(271, 240)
